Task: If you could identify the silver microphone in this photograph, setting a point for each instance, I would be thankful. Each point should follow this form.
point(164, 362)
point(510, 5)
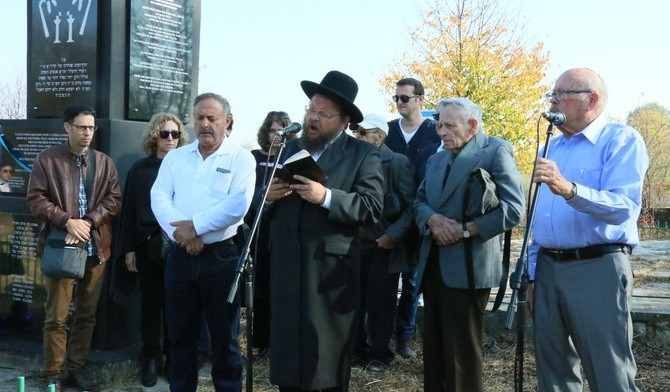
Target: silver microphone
point(556, 118)
point(291, 128)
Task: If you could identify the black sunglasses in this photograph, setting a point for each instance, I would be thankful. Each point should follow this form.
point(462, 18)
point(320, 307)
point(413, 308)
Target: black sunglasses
point(403, 98)
point(164, 134)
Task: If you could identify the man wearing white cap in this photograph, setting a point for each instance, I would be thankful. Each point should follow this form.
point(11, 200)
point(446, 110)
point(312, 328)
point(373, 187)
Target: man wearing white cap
point(385, 251)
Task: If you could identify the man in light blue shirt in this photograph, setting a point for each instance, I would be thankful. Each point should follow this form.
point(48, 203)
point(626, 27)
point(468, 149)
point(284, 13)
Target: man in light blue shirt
point(200, 197)
point(584, 229)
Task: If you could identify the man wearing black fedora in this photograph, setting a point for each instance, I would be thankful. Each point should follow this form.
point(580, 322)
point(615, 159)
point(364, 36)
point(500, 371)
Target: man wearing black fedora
point(314, 243)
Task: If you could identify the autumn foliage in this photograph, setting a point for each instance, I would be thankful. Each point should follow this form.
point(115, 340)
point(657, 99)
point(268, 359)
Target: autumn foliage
point(473, 49)
point(653, 123)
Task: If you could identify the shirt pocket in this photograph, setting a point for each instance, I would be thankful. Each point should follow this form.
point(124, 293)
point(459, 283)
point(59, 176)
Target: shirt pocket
point(590, 177)
point(218, 183)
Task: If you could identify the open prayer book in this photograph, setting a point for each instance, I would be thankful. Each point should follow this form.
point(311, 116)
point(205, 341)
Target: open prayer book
point(300, 163)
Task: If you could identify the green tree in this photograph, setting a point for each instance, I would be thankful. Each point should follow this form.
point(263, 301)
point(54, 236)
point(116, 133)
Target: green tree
point(473, 49)
point(653, 122)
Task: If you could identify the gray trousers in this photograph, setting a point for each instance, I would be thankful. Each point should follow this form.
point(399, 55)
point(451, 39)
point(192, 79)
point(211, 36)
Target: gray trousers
point(582, 312)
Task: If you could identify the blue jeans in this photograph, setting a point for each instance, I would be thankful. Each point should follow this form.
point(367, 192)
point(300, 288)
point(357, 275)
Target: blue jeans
point(405, 320)
point(193, 285)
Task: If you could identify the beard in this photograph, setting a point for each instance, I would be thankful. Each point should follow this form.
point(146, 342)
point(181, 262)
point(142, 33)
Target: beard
point(317, 142)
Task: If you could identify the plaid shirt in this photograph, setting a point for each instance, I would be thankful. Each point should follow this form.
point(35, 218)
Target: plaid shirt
point(83, 202)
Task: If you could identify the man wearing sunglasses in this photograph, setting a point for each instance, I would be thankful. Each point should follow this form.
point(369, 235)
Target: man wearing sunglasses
point(407, 135)
point(411, 132)
point(58, 194)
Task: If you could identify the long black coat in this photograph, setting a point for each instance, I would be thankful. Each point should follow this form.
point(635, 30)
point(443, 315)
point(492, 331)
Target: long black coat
point(314, 270)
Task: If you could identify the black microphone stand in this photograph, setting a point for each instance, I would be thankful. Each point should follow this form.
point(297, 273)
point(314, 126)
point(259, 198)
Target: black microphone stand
point(519, 282)
point(245, 264)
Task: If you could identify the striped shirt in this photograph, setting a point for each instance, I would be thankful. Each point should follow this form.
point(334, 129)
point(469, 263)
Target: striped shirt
point(83, 201)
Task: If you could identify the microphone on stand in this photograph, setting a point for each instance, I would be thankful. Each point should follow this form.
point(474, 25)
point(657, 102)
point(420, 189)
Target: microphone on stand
point(291, 128)
point(556, 118)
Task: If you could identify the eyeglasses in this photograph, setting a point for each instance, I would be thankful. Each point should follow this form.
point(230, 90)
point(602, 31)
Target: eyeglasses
point(321, 114)
point(7, 171)
point(85, 127)
point(164, 134)
point(403, 98)
point(363, 131)
point(561, 94)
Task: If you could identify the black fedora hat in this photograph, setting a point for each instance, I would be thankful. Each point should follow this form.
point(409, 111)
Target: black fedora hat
point(337, 86)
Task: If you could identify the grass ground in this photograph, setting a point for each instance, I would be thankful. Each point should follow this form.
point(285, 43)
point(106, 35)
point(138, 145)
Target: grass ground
point(406, 375)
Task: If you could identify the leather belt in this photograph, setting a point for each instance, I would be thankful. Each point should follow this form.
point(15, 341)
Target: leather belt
point(589, 252)
point(219, 244)
point(213, 245)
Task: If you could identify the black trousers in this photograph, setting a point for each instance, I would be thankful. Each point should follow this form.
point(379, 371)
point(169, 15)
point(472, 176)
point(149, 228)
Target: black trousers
point(152, 292)
point(452, 335)
point(377, 308)
point(193, 285)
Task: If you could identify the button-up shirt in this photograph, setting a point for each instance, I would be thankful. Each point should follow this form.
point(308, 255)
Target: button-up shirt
point(83, 201)
point(607, 162)
point(215, 193)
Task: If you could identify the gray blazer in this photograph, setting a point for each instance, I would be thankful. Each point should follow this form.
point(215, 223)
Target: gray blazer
point(495, 156)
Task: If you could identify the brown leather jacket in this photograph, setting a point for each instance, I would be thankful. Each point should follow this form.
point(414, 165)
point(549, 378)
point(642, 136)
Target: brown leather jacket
point(53, 191)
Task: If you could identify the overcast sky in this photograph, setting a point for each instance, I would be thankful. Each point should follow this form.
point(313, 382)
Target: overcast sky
point(255, 53)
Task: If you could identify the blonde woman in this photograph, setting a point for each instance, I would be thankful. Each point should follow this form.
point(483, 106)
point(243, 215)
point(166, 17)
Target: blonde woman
point(140, 236)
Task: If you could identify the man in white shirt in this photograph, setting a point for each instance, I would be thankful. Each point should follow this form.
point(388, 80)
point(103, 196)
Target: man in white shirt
point(200, 197)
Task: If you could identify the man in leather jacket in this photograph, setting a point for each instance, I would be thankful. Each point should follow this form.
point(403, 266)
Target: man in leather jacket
point(56, 194)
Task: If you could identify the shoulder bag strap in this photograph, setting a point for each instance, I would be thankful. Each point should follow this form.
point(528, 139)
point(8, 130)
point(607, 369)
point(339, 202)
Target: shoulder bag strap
point(469, 263)
point(507, 244)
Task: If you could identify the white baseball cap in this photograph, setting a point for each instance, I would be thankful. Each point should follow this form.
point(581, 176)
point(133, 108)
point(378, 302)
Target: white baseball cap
point(371, 121)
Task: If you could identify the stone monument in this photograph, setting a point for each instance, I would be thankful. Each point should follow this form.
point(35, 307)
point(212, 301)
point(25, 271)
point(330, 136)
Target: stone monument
point(128, 59)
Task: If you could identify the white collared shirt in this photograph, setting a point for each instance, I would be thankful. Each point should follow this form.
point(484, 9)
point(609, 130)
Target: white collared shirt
point(214, 193)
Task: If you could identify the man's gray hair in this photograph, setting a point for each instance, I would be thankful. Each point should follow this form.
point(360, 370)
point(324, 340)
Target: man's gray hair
point(224, 102)
point(466, 108)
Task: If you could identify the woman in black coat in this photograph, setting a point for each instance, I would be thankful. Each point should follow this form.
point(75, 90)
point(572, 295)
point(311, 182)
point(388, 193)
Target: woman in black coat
point(141, 237)
point(269, 143)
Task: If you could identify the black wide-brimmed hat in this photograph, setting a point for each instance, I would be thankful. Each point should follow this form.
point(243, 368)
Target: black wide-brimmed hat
point(339, 87)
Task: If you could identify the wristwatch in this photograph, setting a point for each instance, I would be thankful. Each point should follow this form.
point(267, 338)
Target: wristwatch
point(466, 233)
point(573, 191)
